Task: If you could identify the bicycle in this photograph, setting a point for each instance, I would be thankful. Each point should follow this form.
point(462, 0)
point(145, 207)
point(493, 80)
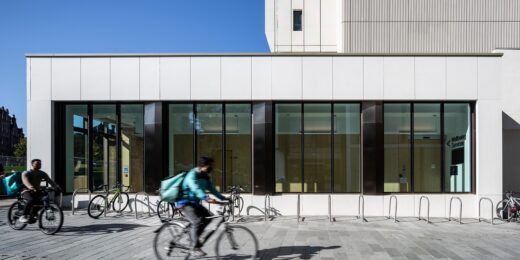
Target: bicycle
point(116, 197)
point(236, 202)
point(510, 205)
point(166, 210)
point(49, 214)
point(173, 239)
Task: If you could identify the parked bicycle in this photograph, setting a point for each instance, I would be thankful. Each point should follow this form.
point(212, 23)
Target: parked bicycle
point(509, 207)
point(237, 202)
point(115, 198)
point(47, 213)
point(173, 239)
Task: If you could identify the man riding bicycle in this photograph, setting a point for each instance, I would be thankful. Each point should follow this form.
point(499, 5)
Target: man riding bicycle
point(31, 191)
point(194, 185)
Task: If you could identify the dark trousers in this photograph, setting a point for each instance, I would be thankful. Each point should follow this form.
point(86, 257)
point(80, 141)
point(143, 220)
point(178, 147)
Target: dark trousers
point(197, 216)
point(31, 198)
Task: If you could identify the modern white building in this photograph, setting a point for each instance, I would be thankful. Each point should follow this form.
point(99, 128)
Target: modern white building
point(319, 115)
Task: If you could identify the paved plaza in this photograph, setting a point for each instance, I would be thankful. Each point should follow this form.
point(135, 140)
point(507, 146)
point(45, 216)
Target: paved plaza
point(124, 237)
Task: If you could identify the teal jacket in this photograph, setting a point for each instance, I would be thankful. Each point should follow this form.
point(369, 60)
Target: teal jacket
point(194, 187)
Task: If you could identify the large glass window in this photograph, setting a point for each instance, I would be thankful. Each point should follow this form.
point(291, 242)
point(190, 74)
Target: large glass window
point(397, 148)
point(180, 138)
point(132, 146)
point(104, 149)
point(76, 147)
point(238, 145)
point(209, 138)
point(347, 147)
point(427, 153)
point(457, 145)
point(288, 147)
point(317, 147)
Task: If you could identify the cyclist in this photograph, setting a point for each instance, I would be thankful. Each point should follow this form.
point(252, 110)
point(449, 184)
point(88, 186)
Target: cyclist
point(31, 191)
point(194, 185)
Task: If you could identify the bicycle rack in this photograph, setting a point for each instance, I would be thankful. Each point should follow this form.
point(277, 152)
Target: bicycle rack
point(298, 210)
point(76, 191)
point(331, 219)
point(147, 197)
point(479, 206)
point(267, 206)
point(427, 209)
point(361, 209)
point(390, 207)
point(460, 211)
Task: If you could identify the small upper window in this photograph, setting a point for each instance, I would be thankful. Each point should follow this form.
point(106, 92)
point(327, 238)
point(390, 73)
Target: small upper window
point(297, 20)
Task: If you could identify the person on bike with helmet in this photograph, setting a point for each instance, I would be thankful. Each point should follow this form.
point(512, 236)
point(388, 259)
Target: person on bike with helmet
point(31, 191)
point(194, 187)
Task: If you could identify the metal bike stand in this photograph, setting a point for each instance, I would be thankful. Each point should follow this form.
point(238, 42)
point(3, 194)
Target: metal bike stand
point(427, 209)
point(331, 219)
point(147, 197)
point(479, 206)
point(390, 207)
point(76, 191)
point(460, 211)
point(267, 207)
point(61, 199)
point(298, 210)
point(361, 209)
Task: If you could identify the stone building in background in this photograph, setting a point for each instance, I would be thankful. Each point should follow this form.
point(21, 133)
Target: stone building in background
point(10, 134)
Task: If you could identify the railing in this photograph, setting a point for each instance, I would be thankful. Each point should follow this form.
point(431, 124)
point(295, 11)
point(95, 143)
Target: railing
point(147, 198)
point(73, 200)
point(479, 207)
point(390, 207)
point(427, 209)
point(460, 210)
point(361, 208)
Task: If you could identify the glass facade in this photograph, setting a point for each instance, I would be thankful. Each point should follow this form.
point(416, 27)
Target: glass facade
point(315, 147)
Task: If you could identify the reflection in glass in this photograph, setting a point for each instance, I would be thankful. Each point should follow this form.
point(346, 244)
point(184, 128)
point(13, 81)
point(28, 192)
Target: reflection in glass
point(457, 145)
point(427, 147)
point(347, 147)
point(317, 147)
point(209, 138)
point(238, 145)
point(397, 148)
point(104, 155)
point(288, 150)
point(180, 133)
point(76, 147)
point(132, 146)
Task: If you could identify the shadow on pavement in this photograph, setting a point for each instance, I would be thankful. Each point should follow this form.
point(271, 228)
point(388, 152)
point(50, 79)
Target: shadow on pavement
point(98, 229)
point(293, 252)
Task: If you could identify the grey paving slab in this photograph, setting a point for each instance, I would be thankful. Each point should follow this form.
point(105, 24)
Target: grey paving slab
point(123, 237)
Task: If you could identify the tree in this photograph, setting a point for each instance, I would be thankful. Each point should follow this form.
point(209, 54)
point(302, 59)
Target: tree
point(20, 149)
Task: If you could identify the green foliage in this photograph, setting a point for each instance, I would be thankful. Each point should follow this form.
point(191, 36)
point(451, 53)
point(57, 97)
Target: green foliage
point(20, 149)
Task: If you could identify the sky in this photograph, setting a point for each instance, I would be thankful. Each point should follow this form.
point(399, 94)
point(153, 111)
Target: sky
point(119, 26)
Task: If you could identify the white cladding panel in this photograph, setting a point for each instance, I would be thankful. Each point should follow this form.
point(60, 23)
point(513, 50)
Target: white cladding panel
point(347, 78)
point(40, 133)
point(149, 78)
point(40, 78)
point(328, 23)
point(311, 23)
point(317, 78)
point(28, 78)
point(124, 78)
point(430, 78)
point(261, 78)
point(399, 78)
point(205, 78)
point(489, 147)
point(175, 81)
point(297, 36)
point(95, 78)
point(373, 73)
point(489, 80)
point(461, 78)
point(287, 78)
point(66, 83)
point(236, 78)
point(283, 25)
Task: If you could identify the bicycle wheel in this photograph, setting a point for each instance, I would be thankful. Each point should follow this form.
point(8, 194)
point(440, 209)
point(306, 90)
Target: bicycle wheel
point(172, 241)
point(120, 202)
point(503, 209)
point(14, 213)
point(96, 206)
point(166, 210)
point(236, 242)
point(50, 219)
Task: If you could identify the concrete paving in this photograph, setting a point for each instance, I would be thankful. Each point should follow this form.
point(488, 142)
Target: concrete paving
point(124, 237)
